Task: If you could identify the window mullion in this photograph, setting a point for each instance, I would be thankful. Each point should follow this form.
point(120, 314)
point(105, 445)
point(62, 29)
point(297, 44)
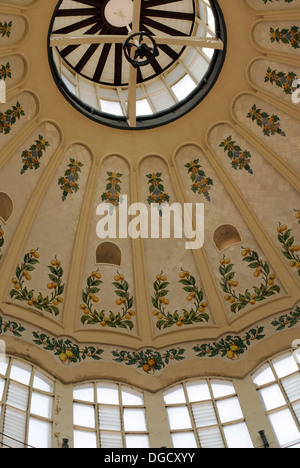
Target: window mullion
point(220, 425)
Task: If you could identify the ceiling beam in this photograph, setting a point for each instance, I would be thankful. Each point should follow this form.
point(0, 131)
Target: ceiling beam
point(131, 105)
point(64, 40)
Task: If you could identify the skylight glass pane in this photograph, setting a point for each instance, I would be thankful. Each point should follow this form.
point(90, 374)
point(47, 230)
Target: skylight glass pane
point(210, 19)
point(20, 372)
point(41, 382)
point(237, 436)
point(272, 397)
point(222, 388)
point(229, 410)
point(69, 85)
point(111, 107)
point(184, 440)
point(285, 365)
point(143, 107)
point(41, 405)
point(84, 392)
point(198, 391)
point(131, 397)
point(108, 393)
point(137, 441)
point(179, 418)
point(84, 415)
point(174, 395)
point(84, 439)
point(284, 427)
point(263, 376)
point(135, 420)
point(39, 434)
point(183, 87)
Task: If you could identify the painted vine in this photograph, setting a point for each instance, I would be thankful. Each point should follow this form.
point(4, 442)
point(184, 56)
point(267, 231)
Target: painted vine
point(112, 189)
point(231, 347)
point(201, 183)
point(267, 288)
point(67, 351)
point(20, 292)
point(196, 314)
point(121, 319)
point(149, 360)
point(31, 158)
point(239, 159)
point(270, 124)
point(69, 182)
point(289, 248)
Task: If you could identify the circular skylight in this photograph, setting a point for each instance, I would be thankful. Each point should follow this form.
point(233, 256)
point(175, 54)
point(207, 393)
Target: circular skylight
point(90, 67)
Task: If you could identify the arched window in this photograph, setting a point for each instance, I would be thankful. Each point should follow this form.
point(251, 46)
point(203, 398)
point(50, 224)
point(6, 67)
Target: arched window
point(107, 252)
point(206, 413)
point(109, 415)
point(26, 404)
point(278, 386)
point(6, 207)
point(225, 236)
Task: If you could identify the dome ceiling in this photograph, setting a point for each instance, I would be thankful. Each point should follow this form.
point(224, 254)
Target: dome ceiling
point(152, 60)
point(148, 310)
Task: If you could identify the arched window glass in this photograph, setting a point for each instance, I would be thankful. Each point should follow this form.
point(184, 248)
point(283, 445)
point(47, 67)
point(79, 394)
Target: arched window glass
point(109, 415)
point(278, 386)
point(206, 414)
point(26, 404)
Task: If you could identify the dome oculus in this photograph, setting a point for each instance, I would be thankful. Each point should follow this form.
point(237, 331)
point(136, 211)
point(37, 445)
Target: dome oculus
point(86, 54)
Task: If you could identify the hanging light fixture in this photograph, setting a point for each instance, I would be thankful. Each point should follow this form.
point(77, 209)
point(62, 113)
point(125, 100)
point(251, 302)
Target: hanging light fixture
point(138, 52)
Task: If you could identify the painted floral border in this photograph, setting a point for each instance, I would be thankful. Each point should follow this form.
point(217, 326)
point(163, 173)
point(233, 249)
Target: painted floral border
point(148, 360)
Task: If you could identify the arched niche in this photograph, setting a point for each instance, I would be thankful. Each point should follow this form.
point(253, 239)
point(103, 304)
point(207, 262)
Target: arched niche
point(6, 207)
point(226, 236)
point(108, 253)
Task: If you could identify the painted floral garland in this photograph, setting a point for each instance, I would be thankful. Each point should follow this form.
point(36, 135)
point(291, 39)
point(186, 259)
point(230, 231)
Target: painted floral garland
point(67, 351)
point(5, 28)
point(239, 159)
point(289, 250)
point(31, 158)
point(69, 182)
point(286, 36)
point(165, 319)
point(201, 183)
point(91, 316)
point(149, 360)
point(281, 79)
point(5, 71)
point(113, 188)
point(231, 346)
point(10, 117)
point(266, 289)
point(21, 293)
point(270, 124)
